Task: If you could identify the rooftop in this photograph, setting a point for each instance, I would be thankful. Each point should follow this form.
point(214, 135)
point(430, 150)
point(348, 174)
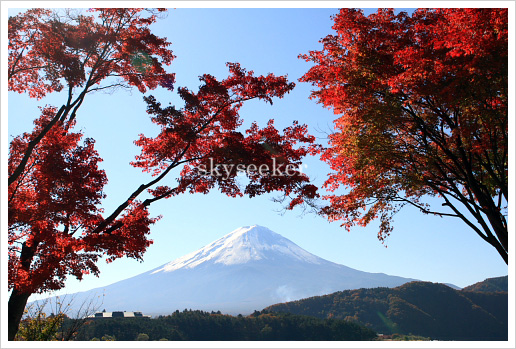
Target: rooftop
point(118, 314)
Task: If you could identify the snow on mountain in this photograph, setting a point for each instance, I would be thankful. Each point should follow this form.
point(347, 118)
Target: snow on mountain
point(248, 269)
point(242, 245)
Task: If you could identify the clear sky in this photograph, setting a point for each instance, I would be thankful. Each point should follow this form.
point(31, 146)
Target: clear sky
point(264, 40)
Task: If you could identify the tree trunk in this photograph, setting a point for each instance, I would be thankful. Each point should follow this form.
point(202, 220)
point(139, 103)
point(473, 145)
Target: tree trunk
point(18, 299)
point(17, 303)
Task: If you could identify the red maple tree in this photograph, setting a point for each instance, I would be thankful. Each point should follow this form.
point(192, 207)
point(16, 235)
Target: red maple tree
point(57, 226)
point(421, 105)
point(52, 51)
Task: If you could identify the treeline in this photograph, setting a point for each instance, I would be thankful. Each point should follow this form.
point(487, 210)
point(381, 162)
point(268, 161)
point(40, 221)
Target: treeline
point(498, 284)
point(419, 308)
point(204, 326)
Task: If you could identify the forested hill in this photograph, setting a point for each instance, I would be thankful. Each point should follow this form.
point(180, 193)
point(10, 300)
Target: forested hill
point(419, 308)
point(498, 284)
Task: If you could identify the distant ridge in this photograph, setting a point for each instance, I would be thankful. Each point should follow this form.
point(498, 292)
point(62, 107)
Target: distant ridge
point(497, 284)
point(455, 287)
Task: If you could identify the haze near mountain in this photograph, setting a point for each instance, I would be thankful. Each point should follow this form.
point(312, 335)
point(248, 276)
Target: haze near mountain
point(248, 269)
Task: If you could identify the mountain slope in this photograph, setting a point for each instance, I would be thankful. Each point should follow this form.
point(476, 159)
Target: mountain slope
point(247, 269)
point(419, 308)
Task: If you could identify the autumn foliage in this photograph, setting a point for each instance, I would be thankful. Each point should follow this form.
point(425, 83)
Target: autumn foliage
point(203, 134)
point(421, 105)
point(58, 194)
point(57, 226)
point(50, 51)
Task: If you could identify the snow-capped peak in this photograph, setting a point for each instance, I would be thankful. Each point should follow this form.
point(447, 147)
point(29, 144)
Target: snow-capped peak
point(241, 246)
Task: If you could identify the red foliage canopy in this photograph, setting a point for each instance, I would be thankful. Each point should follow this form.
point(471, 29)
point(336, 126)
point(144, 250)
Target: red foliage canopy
point(47, 47)
point(422, 110)
point(56, 196)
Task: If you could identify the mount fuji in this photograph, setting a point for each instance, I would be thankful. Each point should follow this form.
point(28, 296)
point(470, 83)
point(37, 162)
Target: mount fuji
point(248, 269)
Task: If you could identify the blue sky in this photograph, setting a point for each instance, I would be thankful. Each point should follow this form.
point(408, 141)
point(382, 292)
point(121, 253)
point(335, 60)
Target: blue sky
point(264, 40)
